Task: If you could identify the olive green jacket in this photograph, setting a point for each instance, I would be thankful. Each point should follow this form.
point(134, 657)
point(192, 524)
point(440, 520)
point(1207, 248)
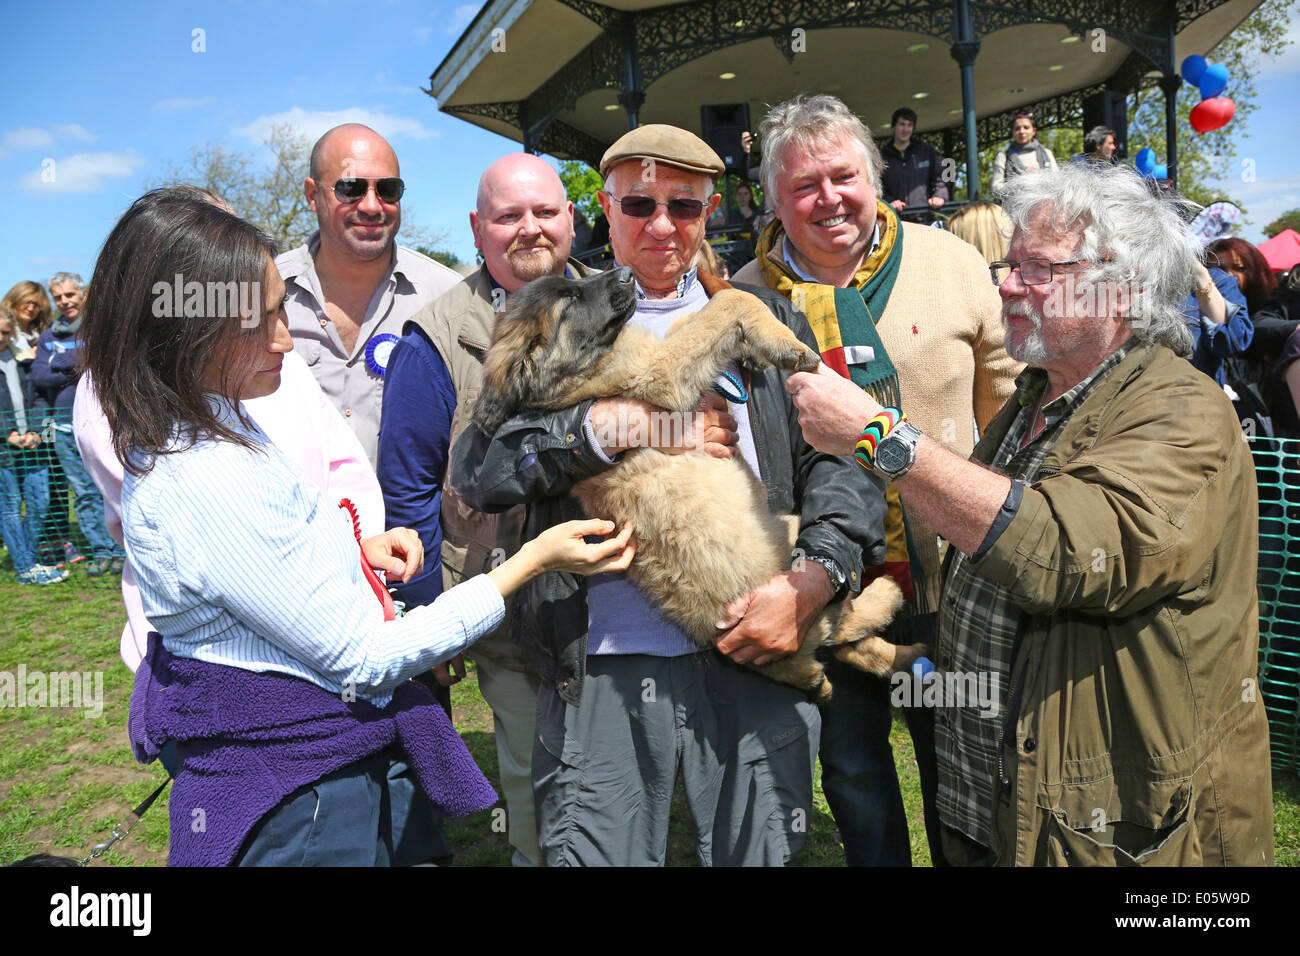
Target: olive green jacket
point(1135, 732)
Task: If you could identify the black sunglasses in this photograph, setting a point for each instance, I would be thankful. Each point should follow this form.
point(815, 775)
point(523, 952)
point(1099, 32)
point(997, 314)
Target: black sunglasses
point(643, 207)
point(350, 189)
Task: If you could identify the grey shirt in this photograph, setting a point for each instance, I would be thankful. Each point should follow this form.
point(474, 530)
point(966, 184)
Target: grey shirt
point(356, 390)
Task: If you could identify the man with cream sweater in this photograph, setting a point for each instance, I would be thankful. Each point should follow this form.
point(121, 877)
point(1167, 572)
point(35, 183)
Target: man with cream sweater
point(907, 312)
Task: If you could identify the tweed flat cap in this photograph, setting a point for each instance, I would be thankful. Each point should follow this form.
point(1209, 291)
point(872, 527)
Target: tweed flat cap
point(663, 144)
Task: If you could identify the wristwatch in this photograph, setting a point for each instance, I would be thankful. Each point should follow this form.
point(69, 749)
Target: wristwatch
point(897, 451)
point(833, 571)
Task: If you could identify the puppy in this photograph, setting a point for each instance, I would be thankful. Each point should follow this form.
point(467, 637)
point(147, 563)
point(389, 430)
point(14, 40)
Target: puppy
point(704, 532)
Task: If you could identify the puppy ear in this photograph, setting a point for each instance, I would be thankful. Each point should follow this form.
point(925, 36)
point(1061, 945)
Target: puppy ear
point(502, 395)
point(509, 370)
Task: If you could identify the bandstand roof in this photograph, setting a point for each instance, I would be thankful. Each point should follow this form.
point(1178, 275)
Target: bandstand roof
point(549, 73)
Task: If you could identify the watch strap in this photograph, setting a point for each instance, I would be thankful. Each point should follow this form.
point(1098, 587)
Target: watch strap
point(874, 433)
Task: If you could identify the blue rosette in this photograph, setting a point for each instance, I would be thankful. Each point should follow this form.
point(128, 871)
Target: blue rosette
point(378, 351)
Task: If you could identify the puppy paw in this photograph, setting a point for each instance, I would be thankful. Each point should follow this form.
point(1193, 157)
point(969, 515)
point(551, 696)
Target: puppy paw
point(789, 354)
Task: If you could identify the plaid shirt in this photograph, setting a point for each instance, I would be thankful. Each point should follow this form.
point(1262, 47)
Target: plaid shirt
point(978, 623)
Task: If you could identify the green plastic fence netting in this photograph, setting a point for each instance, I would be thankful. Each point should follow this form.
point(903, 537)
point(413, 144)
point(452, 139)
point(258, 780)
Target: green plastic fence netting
point(51, 512)
point(1277, 470)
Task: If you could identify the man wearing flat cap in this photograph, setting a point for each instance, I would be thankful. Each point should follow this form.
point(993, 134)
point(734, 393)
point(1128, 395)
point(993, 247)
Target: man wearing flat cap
point(628, 700)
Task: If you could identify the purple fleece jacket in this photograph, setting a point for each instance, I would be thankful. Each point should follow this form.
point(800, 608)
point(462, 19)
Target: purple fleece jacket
point(247, 740)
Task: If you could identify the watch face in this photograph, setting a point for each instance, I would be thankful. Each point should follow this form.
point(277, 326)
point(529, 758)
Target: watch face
point(891, 456)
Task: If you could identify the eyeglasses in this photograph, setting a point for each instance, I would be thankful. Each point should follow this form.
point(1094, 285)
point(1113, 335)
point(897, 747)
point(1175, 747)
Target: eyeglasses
point(1032, 271)
point(350, 189)
point(643, 207)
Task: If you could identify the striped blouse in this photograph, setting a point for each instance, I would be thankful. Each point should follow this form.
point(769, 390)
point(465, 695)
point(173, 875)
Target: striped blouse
point(241, 561)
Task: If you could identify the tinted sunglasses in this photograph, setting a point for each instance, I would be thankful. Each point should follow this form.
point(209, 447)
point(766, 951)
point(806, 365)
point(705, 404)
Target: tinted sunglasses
point(643, 207)
point(350, 189)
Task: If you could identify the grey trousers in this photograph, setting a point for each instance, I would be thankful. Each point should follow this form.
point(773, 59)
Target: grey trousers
point(511, 691)
point(604, 772)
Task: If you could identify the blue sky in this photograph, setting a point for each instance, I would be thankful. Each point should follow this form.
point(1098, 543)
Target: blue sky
point(113, 92)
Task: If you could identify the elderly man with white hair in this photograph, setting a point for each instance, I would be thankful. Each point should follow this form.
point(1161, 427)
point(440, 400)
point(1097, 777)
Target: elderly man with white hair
point(1102, 560)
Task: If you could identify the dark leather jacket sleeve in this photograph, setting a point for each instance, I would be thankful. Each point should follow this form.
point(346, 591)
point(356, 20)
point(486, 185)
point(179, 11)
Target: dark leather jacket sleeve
point(531, 456)
point(841, 505)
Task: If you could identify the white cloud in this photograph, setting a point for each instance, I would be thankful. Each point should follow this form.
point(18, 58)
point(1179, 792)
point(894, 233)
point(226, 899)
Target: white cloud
point(27, 137)
point(313, 123)
point(73, 131)
point(460, 17)
point(177, 104)
point(387, 81)
point(80, 173)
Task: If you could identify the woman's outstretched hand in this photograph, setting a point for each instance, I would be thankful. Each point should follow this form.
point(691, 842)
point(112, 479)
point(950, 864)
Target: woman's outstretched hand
point(564, 548)
point(398, 553)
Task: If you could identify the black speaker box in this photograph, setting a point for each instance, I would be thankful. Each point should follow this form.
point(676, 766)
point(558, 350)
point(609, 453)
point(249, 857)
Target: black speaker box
point(721, 125)
point(1108, 108)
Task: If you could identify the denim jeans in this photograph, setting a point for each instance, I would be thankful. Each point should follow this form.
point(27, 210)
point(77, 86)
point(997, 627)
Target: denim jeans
point(858, 773)
point(89, 503)
point(22, 476)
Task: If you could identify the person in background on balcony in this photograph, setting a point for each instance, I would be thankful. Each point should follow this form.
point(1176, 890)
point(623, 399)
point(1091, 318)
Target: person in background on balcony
point(1098, 147)
point(913, 174)
point(1024, 154)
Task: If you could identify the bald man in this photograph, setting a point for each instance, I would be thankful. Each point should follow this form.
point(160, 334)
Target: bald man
point(351, 288)
point(523, 225)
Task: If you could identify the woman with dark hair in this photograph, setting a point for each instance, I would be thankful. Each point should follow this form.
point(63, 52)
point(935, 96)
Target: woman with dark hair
point(279, 679)
point(744, 213)
point(1024, 154)
point(1247, 265)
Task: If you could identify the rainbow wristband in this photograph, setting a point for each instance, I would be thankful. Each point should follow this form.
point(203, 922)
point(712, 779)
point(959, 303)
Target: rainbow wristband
point(874, 433)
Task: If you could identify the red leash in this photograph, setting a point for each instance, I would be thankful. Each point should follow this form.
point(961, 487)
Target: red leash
point(386, 599)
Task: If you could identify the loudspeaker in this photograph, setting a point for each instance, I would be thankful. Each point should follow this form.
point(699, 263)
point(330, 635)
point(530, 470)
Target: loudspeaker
point(1108, 108)
point(720, 126)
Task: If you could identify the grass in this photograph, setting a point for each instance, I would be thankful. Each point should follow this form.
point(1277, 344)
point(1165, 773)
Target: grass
point(67, 777)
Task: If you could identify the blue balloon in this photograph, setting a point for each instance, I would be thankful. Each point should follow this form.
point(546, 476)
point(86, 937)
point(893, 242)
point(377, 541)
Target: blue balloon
point(1192, 68)
point(1160, 172)
point(1213, 81)
point(1145, 160)
point(922, 666)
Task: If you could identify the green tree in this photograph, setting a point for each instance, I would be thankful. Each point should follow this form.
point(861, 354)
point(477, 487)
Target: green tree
point(581, 183)
point(1288, 220)
point(446, 257)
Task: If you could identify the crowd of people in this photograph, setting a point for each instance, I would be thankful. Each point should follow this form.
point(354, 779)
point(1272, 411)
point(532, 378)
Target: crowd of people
point(40, 364)
point(1055, 480)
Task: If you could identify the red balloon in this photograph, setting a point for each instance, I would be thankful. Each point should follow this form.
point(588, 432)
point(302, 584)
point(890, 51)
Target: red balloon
point(1212, 114)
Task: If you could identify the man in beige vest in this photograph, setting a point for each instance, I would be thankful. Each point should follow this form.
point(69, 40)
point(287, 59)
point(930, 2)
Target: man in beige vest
point(908, 313)
point(523, 226)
